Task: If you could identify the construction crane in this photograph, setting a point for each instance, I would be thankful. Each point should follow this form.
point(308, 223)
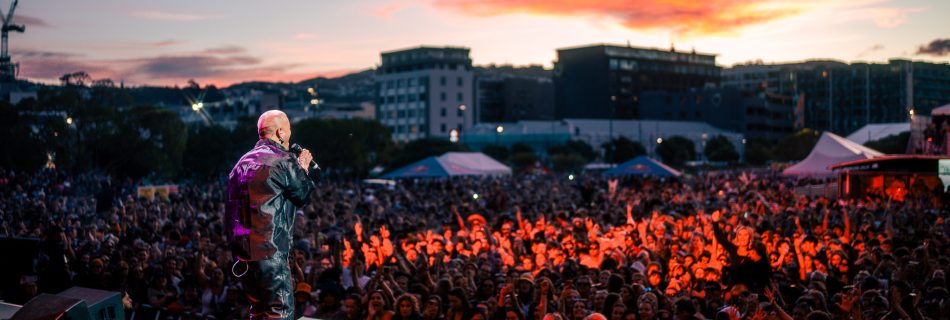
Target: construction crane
point(8, 70)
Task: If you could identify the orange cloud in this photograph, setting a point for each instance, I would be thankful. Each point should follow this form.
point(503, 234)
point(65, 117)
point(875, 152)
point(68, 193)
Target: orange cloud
point(682, 17)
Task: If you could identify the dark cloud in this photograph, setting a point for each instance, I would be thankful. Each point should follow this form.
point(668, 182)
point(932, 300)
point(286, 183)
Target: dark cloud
point(192, 66)
point(938, 47)
point(30, 21)
point(48, 66)
point(39, 54)
point(225, 50)
point(223, 66)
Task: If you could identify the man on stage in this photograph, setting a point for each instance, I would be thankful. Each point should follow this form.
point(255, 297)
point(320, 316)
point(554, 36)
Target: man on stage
point(264, 189)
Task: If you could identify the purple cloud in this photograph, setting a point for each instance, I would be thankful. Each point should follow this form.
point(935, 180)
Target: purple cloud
point(938, 47)
point(31, 21)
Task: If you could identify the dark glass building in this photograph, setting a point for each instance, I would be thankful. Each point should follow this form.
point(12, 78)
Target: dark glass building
point(606, 81)
point(842, 97)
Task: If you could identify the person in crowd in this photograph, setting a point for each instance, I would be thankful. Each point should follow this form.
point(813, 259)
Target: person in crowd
point(698, 247)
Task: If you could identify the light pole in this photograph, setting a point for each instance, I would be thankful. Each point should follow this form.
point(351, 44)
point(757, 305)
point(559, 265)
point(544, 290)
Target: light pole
point(500, 129)
point(613, 110)
point(831, 110)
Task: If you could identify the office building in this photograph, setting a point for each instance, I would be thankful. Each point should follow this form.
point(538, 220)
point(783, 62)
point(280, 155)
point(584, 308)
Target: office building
point(426, 92)
point(606, 81)
point(512, 94)
point(840, 97)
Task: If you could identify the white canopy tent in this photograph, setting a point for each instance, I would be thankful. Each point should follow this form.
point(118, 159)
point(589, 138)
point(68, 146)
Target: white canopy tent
point(878, 131)
point(943, 110)
point(829, 150)
point(452, 164)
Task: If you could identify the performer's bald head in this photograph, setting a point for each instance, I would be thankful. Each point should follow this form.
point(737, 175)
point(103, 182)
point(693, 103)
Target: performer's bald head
point(274, 125)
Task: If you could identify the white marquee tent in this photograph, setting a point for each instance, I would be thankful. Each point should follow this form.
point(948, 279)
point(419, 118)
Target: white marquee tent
point(830, 149)
point(878, 131)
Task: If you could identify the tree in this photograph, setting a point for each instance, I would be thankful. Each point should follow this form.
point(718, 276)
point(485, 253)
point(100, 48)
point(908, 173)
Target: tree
point(523, 155)
point(23, 151)
point(571, 156)
point(622, 149)
point(568, 162)
point(676, 150)
point(758, 151)
point(350, 147)
point(147, 141)
point(497, 152)
point(892, 144)
point(576, 147)
point(720, 149)
point(796, 146)
point(205, 155)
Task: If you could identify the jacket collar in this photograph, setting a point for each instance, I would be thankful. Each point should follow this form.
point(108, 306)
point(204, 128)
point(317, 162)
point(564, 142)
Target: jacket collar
point(270, 144)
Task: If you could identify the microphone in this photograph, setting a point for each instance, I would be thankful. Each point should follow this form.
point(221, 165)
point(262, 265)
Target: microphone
point(297, 149)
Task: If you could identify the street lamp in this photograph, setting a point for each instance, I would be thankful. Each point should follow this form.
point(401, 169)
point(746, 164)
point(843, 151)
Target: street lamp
point(197, 106)
point(69, 120)
point(454, 136)
point(659, 140)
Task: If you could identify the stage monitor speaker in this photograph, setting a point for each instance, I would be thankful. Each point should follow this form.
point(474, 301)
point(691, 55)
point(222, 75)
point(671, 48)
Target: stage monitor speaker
point(8, 309)
point(102, 305)
point(76, 303)
point(52, 307)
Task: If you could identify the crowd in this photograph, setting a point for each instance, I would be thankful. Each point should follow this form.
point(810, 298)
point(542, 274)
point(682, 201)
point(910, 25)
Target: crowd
point(708, 246)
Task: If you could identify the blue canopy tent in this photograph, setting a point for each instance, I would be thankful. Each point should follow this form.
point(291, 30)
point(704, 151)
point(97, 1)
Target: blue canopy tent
point(451, 164)
point(642, 166)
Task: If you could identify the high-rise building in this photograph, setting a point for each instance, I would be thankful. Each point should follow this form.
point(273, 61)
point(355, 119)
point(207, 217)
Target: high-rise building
point(720, 107)
point(426, 92)
point(508, 94)
point(605, 81)
point(841, 98)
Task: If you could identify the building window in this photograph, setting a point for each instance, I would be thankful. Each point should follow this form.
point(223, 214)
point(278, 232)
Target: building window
point(442, 81)
point(458, 112)
point(443, 128)
point(442, 113)
point(458, 97)
point(459, 81)
point(442, 96)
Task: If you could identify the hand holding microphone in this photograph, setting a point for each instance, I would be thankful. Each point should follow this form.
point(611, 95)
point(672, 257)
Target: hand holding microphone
point(304, 158)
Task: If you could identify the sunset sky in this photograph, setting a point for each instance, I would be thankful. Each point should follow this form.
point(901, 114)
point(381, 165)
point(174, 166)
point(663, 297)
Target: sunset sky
point(222, 42)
